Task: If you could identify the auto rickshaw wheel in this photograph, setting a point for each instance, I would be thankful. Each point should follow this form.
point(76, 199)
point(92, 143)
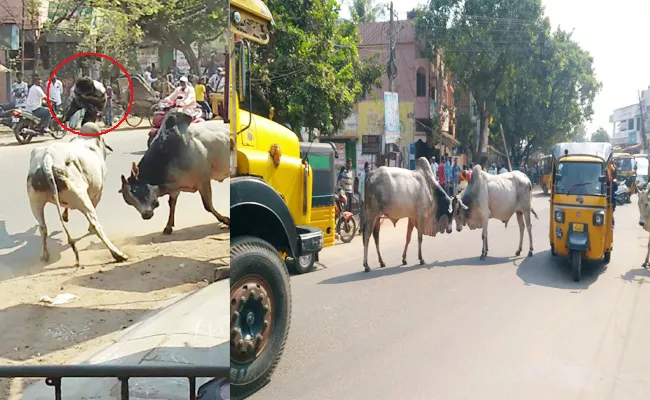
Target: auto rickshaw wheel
point(576, 265)
point(608, 255)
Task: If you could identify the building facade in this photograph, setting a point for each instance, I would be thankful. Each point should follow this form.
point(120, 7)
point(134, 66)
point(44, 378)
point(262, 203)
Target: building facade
point(626, 122)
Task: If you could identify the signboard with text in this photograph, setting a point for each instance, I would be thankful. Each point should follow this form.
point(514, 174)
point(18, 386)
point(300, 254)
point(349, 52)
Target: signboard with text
point(371, 144)
point(391, 117)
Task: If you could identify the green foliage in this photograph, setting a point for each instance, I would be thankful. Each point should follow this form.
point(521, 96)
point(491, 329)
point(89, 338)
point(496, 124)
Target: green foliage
point(311, 72)
point(366, 10)
point(180, 23)
point(550, 95)
point(540, 86)
point(600, 135)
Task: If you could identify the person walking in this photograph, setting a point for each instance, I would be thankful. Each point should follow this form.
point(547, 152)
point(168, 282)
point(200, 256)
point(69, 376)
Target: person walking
point(468, 173)
point(455, 172)
point(19, 91)
point(434, 167)
point(493, 169)
point(448, 174)
point(201, 97)
point(503, 170)
point(56, 91)
point(442, 178)
point(108, 108)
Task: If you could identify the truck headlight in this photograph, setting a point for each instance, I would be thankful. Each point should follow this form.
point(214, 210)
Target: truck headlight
point(558, 215)
point(599, 218)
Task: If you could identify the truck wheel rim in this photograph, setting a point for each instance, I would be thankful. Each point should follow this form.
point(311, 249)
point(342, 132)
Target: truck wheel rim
point(305, 260)
point(251, 318)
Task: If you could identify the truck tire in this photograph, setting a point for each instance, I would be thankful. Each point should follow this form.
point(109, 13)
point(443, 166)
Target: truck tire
point(303, 264)
point(260, 313)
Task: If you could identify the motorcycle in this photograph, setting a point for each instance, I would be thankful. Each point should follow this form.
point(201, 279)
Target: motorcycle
point(164, 107)
point(346, 223)
point(624, 191)
point(26, 125)
point(6, 114)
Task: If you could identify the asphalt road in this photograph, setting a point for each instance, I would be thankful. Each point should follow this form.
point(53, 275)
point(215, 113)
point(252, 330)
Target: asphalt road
point(19, 235)
point(460, 328)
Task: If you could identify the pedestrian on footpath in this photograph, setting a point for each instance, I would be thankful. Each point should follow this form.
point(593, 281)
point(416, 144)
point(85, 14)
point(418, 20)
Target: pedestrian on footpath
point(56, 90)
point(442, 178)
point(455, 172)
point(108, 108)
point(434, 167)
point(448, 174)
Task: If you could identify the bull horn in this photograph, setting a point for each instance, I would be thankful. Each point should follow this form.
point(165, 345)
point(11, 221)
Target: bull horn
point(464, 207)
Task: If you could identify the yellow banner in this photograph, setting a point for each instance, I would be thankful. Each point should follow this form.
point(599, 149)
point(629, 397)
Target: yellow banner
point(371, 119)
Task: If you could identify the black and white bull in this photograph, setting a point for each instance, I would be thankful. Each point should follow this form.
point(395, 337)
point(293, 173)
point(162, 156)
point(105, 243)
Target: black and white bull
point(400, 193)
point(497, 197)
point(183, 157)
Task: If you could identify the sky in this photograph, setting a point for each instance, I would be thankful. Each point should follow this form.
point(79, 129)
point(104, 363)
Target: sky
point(615, 33)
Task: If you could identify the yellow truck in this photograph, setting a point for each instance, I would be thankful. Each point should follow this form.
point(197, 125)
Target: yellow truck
point(271, 203)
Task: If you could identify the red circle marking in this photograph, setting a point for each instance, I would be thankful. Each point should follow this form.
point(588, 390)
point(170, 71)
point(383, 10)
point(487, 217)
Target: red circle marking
point(49, 83)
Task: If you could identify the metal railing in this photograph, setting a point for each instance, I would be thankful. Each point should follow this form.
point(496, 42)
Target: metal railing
point(54, 373)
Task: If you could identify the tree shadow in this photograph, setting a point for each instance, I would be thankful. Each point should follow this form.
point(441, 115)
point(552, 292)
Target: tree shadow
point(390, 271)
point(555, 271)
point(24, 251)
point(157, 273)
point(49, 329)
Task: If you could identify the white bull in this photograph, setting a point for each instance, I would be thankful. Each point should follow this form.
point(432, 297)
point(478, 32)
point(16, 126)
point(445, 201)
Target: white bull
point(644, 215)
point(497, 197)
point(399, 193)
point(70, 175)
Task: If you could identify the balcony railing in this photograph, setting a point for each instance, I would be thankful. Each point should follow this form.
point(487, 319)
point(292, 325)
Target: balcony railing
point(54, 373)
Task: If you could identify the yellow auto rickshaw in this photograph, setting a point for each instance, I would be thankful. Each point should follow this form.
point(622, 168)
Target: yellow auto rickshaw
point(545, 173)
point(581, 203)
point(624, 163)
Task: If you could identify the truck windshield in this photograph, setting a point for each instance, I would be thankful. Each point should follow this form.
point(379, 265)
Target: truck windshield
point(580, 178)
point(625, 164)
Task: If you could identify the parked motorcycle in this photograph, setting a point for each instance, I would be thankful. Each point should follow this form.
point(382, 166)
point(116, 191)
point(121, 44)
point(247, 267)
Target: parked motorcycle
point(624, 190)
point(6, 114)
point(26, 126)
point(346, 223)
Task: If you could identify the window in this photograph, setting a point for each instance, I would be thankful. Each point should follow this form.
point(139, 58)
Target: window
point(622, 126)
point(580, 178)
point(421, 83)
point(630, 124)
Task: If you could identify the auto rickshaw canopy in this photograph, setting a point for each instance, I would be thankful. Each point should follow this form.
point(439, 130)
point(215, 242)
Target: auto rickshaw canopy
point(600, 150)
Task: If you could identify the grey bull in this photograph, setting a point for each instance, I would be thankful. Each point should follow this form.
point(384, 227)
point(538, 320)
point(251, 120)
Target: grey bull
point(400, 193)
point(644, 215)
point(497, 197)
point(70, 175)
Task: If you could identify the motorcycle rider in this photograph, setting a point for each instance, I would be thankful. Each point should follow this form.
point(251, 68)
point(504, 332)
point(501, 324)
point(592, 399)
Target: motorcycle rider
point(34, 103)
point(184, 98)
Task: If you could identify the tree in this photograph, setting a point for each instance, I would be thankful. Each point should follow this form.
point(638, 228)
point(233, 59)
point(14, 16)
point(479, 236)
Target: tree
point(310, 71)
point(366, 10)
point(478, 40)
point(549, 96)
point(182, 23)
point(600, 135)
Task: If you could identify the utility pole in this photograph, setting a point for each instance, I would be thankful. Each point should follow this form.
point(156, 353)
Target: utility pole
point(391, 51)
point(642, 126)
point(22, 34)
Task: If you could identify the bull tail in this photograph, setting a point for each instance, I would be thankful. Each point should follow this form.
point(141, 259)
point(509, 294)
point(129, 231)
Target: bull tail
point(48, 169)
point(534, 213)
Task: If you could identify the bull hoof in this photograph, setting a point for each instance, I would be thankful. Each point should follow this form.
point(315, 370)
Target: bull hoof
point(482, 256)
point(645, 265)
point(120, 257)
point(530, 253)
point(168, 230)
point(366, 268)
point(45, 257)
point(422, 262)
point(382, 265)
point(403, 261)
point(225, 221)
point(518, 253)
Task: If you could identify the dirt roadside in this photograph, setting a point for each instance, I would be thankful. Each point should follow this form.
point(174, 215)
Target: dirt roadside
point(112, 296)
